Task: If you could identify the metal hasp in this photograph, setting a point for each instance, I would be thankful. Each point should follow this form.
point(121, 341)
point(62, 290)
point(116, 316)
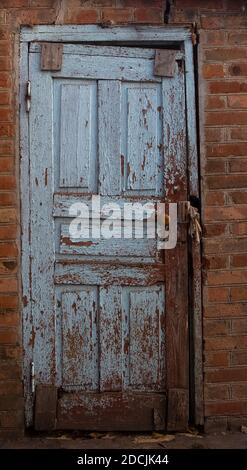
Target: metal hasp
point(165, 62)
point(51, 56)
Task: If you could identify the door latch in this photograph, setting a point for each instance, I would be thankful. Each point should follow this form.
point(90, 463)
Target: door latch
point(28, 96)
point(32, 378)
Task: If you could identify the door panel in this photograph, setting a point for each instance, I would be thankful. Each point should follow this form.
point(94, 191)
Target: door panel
point(101, 126)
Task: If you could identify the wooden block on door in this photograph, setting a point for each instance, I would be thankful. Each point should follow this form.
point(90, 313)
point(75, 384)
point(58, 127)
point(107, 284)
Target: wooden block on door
point(45, 407)
point(178, 409)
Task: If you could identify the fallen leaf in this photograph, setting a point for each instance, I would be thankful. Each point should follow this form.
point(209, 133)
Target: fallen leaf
point(155, 438)
point(96, 435)
point(188, 434)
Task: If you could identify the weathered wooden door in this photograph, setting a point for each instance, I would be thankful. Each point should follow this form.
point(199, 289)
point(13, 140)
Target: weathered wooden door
point(107, 330)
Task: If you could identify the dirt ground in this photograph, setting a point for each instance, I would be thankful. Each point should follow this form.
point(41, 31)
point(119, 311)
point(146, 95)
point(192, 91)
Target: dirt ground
point(190, 440)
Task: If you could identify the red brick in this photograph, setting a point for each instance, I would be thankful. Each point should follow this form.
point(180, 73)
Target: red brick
point(8, 215)
point(226, 150)
point(225, 310)
point(41, 3)
point(7, 182)
point(235, 21)
point(11, 387)
point(8, 266)
point(239, 326)
point(239, 358)
point(188, 15)
point(239, 133)
point(215, 166)
point(4, 99)
point(217, 359)
point(228, 343)
point(226, 375)
point(225, 54)
point(226, 118)
point(238, 197)
point(5, 80)
point(212, 22)
point(14, 3)
point(8, 249)
point(215, 102)
point(213, 134)
point(225, 408)
point(226, 181)
point(216, 262)
point(8, 301)
point(218, 294)
point(238, 70)
point(5, 48)
point(148, 15)
point(239, 229)
point(239, 37)
point(9, 370)
point(6, 147)
point(239, 391)
point(117, 15)
point(7, 232)
point(32, 16)
point(238, 101)
point(217, 392)
point(6, 129)
point(82, 16)
point(5, 63)
point(12, 419)
point(10, 352)
point(9, 319)
point(226, 213)
point(141, 3)
point(6, 164)
point(6, 114)
point(213, 71)
point(4, 34)
point(215, 278)
point(8, 284)
point(212, 38)
point(239, 261)
point(8, 336)
point(7, 199)
point(208, 5)
point(237, 166)
point(214, 198)
point(215, 230)
point(11, 402)
point(216, 327)
point(239, 293)
point(237, 245)
point(223, 87)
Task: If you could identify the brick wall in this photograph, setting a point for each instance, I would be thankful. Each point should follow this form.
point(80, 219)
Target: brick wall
point(222, 26)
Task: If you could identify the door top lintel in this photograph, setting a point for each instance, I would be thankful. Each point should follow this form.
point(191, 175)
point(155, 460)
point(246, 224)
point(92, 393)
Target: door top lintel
point(143, 35)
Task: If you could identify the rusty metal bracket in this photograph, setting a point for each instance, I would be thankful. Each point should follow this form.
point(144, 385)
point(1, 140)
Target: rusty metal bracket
point(51, 56)
point(165, 62)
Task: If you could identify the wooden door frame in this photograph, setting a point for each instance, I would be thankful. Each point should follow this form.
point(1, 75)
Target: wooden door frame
point(144, 36)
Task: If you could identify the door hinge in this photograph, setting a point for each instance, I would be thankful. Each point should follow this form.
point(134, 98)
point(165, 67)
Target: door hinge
point(194, 34)
point(32, 378)
point(28, 96)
